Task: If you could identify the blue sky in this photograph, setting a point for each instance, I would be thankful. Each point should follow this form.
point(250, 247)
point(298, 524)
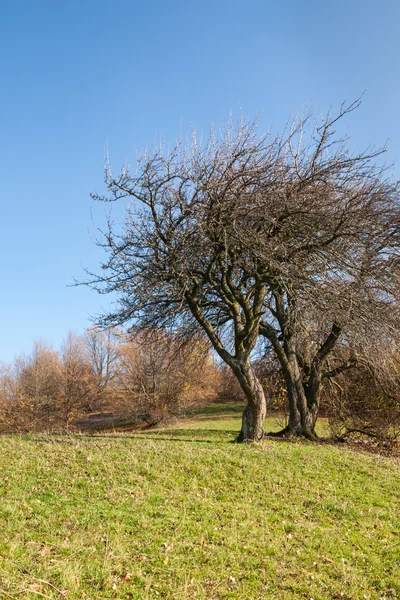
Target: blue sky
point(78, 76)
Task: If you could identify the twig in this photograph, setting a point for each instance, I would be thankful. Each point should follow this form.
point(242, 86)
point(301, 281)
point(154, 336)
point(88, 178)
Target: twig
point(6, 594)
point(51, 585)
point(38, 593)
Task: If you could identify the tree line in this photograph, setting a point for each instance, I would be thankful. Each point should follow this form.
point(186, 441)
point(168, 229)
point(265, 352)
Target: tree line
point(110, 379)
point(140, 380)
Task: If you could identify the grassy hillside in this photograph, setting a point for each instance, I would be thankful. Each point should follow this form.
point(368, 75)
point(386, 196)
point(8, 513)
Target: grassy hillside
point(184, 513)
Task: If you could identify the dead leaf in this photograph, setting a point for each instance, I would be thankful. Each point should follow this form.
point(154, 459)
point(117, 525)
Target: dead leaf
point(45, 550)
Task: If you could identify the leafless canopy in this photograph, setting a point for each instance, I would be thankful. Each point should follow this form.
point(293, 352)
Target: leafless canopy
point(294, 238)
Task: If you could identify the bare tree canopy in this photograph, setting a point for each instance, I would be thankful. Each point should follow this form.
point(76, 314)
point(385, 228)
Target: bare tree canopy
point(291, 238)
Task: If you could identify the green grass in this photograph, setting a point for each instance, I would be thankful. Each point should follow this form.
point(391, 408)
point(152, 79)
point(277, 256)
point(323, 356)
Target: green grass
point(228, 417)
point(184, 513)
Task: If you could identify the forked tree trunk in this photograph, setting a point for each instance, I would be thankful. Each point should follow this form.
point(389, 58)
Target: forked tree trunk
point(302, 420)
point(255, 412)
point(303, 381)
point(303, 400)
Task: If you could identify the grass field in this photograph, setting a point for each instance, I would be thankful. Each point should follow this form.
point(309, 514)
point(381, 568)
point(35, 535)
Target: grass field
point(184, 513)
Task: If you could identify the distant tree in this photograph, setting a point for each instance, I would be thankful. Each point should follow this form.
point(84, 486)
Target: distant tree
point(47, 390)
point(31, 391)
point(161, 375)
point(78, 381)
point(101, 352)
point(292, 238)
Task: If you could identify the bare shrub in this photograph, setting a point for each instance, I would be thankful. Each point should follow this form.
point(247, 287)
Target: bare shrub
point(361, 406)
point(159, 375)
point(48, 390)
point(229, 390)
point(142, 378)
point(30, 390)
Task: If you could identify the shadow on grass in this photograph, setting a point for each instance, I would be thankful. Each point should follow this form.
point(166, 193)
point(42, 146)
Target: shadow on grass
point(203, 436)
point(226, 410)
point(191, 440)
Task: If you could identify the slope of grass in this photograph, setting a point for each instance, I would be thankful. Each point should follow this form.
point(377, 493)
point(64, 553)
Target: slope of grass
point(228, 416)
point(184, 513)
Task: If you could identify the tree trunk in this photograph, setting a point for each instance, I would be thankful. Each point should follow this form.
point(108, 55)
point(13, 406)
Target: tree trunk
point(303, 399)
point(255, 412)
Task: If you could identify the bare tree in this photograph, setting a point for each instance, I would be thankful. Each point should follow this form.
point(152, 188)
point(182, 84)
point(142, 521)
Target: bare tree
point(101, 352)
point(325, 233)
point(79, 382)
point(31, 391)
point(170, 263)
point(251, 235)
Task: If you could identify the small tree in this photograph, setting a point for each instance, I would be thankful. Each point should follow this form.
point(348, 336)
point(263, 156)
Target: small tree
point(100, 350)
point(78, 381)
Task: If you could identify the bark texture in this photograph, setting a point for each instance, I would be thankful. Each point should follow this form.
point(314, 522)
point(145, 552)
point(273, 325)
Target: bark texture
point(255, 412)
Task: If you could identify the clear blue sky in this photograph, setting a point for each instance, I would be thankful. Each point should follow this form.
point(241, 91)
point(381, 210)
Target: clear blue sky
point(79, 75)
